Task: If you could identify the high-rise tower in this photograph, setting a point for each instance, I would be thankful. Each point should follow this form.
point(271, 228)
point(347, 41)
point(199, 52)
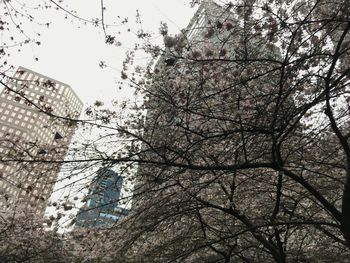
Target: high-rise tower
point(103, 200)
point(36, 125)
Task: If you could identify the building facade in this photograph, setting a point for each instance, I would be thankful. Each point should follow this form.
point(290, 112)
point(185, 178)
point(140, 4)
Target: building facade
point(36, 127)
point(202, 116)
point(103, 200)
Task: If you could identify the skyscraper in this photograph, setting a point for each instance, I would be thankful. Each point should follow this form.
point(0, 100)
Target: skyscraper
point(36, 125)
point(102, 206)
point(198, 109)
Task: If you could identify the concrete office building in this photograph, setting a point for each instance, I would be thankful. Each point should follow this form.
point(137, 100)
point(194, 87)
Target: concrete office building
point(193, 124)
point(33, 138)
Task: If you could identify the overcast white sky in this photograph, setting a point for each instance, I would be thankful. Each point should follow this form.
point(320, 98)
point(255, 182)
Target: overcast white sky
point(71, 51)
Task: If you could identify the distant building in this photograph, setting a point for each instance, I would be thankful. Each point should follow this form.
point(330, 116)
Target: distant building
point(103, 206)
point(33, 139)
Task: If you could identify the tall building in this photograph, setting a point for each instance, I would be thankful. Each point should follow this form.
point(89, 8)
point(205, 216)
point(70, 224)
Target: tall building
point(36, 127)
point(206, 38)
point(103, 200)
point(201, 109)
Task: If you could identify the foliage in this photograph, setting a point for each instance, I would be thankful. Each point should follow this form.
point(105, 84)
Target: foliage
point(245, 147)
point(241, 141)
point(24, 239)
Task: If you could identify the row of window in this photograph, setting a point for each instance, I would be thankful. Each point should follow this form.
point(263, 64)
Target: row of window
point(38, 82)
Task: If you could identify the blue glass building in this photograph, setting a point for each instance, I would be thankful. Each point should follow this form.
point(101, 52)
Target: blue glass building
point(102, 206)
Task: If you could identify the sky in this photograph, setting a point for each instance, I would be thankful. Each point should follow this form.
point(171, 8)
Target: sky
point(70, 51)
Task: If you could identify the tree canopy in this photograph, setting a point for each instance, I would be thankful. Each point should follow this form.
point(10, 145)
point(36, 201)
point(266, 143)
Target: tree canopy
point(239, 148)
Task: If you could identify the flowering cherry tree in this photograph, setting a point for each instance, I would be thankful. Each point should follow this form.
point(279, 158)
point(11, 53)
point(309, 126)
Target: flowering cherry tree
point(239, 148)
point(244, 150)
